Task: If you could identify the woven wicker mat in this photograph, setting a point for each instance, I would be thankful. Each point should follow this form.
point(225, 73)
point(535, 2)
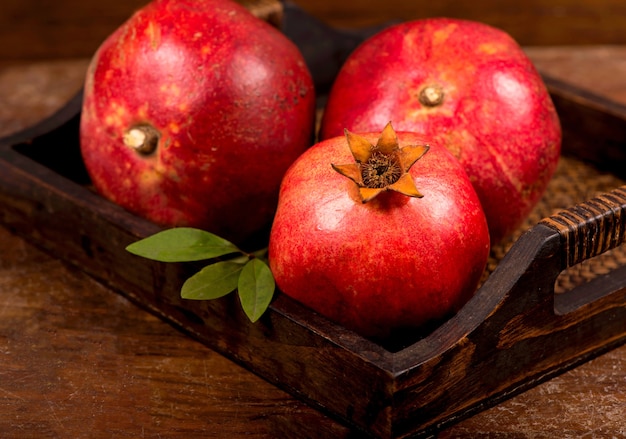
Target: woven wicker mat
point(574, 182)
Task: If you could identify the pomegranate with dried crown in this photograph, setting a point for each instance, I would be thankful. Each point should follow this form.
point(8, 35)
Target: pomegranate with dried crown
point(193, 110)
point(380, 232)
point(470, 87)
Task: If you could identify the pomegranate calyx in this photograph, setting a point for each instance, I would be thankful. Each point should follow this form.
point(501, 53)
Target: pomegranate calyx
point(383, 166)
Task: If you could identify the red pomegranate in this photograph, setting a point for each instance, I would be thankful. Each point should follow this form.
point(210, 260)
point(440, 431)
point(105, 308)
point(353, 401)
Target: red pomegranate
point(193, 110)
point(470, 87)
point(378, 232)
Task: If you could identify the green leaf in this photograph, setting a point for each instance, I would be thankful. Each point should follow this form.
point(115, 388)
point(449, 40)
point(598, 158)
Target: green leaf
point(182, 244)
point(213, 281)
point(256, 288)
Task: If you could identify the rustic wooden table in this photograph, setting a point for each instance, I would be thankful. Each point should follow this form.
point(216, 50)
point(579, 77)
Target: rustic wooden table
point(79, 361)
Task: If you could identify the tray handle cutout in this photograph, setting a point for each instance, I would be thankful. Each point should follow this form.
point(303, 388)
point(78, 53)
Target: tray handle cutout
point(588, 230)
point(592, 227)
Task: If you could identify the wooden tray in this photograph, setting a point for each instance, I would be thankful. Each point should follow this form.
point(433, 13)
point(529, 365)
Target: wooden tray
point(532, 318)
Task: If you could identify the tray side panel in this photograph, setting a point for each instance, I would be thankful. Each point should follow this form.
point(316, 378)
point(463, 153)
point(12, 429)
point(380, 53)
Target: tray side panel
point(594, 128)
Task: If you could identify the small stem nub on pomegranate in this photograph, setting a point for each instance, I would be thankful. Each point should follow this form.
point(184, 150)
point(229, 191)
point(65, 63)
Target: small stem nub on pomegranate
point(431, 95)
point(142, 138)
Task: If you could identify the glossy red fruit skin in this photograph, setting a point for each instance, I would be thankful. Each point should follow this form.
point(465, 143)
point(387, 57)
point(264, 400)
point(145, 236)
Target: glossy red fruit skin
point(234, 103)
point(497, 117)
point(393, 264)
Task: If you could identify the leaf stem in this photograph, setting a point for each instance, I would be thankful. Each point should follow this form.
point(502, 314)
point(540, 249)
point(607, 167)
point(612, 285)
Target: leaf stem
point(259, 254)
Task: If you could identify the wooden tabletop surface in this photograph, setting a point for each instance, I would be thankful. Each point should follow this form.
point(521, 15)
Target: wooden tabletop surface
point(79, 361)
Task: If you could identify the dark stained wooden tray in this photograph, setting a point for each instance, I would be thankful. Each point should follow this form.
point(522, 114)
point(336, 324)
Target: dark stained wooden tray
point(515, 333)
point(521, 328)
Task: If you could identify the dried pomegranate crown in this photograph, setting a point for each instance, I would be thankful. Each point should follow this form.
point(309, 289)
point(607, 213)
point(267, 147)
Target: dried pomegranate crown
point(381, 167)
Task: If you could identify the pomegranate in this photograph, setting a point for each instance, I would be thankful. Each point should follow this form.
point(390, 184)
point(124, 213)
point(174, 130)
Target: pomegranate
point(193, 110)
point(378, 232)
point(470, 87)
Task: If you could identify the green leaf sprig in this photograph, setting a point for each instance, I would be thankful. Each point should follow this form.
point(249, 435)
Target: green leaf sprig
point(248, 273)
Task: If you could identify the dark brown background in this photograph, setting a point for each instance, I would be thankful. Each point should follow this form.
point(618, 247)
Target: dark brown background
point(31, 29)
